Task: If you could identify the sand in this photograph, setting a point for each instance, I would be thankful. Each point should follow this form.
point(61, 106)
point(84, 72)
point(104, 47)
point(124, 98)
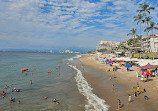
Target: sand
point(125, 83)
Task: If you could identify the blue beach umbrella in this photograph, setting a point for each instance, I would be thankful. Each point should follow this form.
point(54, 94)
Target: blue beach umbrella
point(107, 60)
point(128, 65)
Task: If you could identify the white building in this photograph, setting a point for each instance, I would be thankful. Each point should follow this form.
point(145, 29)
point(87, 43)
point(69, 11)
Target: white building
point(151, 43)
point(106, 45)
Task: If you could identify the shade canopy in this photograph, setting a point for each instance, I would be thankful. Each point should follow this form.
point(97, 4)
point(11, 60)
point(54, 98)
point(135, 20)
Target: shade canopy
point(121, 61)
point(128, 65)
point(146, 73)
point(148, 66)
point(115, 64)
point(107, 60)
point(110, 61)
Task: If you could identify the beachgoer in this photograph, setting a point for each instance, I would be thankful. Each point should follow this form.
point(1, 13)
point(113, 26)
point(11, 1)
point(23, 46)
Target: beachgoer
point(135, 94)
point(55, 100)
point(138, 89)
point(11, 99)
point(127, 69)
point(119, 104)
point(129, 99)
point(18, 102)
point(146, 97)
point(31, 82)
point(3, 94)
point(144, 90)
point(45, 97)
point(137, 74)
point(50, 71)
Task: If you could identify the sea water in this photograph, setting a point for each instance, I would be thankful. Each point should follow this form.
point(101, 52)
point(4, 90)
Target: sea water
point(65, 83)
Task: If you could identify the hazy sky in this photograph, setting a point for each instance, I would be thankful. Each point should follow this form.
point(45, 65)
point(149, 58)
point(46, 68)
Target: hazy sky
point(45, 24)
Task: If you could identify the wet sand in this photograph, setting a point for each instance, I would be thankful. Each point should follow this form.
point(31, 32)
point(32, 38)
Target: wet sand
point(125, 83)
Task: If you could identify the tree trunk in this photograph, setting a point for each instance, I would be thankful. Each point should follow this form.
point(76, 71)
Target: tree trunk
point(146, 29)
point(140, 29)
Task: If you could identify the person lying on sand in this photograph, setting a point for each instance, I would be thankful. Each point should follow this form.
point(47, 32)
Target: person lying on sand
point(146, 97)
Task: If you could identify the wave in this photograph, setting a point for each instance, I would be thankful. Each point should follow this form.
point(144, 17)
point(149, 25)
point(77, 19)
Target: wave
point(94, 102)
point(76, 57)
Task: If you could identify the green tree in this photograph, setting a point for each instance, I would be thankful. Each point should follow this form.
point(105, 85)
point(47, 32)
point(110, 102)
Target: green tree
point(147, 20)
point(138, 55)
point(139, 20)
point(102, 50)
point(144, 56)
point(133, 33)
point(151, 55)
point(145, 8)
point(151, 27)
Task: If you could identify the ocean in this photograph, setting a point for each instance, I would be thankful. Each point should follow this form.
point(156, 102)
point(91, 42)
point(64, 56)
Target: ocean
point(66, 83)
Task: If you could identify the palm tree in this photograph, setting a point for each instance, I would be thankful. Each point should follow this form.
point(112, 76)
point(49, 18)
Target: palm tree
point(146, 21)
point(133, 33)
point(139, 18)
point(151, 27)
point(145, 8)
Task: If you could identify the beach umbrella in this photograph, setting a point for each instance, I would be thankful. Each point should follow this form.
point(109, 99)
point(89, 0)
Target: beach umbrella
point(110, 61)
point(115, 64)
point(107, 60)
point(128, 65)
point(121, 61)
point(146, 73)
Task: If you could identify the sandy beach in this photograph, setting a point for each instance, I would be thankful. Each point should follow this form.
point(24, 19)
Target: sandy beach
point(125, 83)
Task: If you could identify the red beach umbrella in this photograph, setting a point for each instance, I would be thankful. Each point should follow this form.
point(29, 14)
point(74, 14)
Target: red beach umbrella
point(121, 61)
point(146, 73)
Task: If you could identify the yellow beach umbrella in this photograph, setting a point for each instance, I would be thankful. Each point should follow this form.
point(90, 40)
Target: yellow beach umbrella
point(115, 64)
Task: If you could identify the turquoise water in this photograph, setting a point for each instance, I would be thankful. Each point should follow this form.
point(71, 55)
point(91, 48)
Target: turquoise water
point(59, 84)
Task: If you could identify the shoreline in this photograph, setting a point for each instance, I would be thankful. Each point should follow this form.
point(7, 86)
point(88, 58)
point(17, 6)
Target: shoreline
point(123, 85)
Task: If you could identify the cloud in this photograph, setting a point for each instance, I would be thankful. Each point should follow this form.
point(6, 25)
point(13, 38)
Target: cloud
point(50, 23)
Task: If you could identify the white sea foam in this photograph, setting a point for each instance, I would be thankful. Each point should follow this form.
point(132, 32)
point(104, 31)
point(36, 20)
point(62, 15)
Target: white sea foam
point(75, 57)
point(94, 102)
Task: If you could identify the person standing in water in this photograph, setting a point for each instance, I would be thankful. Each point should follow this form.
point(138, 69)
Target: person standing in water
point(3, 94)
point(31, 82)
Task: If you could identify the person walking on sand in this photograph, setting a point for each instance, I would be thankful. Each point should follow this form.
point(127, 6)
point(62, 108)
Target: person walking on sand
point(129, 99)
point(119, 104)
point(138, 89)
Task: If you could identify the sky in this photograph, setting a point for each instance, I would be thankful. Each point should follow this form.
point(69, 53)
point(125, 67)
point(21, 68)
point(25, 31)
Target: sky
point(50, 24)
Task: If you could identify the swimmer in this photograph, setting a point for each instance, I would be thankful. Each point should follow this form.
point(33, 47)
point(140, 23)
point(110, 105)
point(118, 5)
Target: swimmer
point(17, 90)
point(55, 100)
point(31, 82)
point(11, 99)
point(3, 94)
point(45, 97)
point(18, 102)
point(50, 71)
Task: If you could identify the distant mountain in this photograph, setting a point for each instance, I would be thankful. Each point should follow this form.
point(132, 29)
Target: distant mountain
point(55, 49)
